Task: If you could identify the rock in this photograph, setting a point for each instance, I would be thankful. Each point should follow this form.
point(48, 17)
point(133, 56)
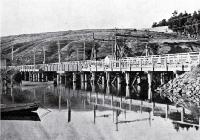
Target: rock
point(185, 89)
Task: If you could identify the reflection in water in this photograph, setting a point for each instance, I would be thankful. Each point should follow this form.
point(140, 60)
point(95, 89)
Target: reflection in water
point(108, 90)
point(82, 85)
point(84, 103)
point(34, 94)
point(127, 91)
point(44, 96)
point(69, 109)
point(59, 98)
point(94, 108)
point(117, 115)
point(74, 86)
point(11, 92)
point(111, 104)
point(138, 88)
point(93, 87)
point(178, 125)
point(119, 89)
point(86, 85)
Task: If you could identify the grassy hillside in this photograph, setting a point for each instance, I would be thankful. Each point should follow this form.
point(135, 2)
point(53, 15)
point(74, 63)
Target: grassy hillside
point(71, 41)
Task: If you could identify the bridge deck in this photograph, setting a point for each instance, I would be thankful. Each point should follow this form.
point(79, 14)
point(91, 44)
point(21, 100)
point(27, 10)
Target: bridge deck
point(167, 62)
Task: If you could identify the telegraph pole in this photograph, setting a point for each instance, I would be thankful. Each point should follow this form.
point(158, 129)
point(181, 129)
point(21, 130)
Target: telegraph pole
point(93, 47)
point(113, 50)
point(115, 46)
point(94, 52)
point(105, 40)
point(118, 51)
point(34, 58)
point(12, 53)
point(146, 49)
point(58, 43)
point(77, 54)
point(44, 55)
point(84, 50)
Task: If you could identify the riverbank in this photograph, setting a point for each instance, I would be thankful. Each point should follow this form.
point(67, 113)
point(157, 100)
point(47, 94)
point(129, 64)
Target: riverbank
point(184, 90)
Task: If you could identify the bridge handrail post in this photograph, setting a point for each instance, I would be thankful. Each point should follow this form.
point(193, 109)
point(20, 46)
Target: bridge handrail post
point(103, 65)
point(58, 66)
point(77, 65)
point(90, 64)
point(199, 58)
point(168, 58)
point(166, 66)
point(127, 63)
point(120, 64)
point(96, 64)
point(153, 65)
point(140, 63)
point(178, 58)
point(151, 59)
point(111, 65)
point(160, 59)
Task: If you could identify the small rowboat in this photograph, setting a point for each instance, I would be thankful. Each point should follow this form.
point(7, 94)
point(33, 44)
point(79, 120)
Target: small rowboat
point(19, 108)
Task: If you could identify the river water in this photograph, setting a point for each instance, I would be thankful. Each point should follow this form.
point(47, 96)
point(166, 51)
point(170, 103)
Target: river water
point(95, 112)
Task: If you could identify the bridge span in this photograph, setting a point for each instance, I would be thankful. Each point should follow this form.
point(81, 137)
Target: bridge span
point(127, 71)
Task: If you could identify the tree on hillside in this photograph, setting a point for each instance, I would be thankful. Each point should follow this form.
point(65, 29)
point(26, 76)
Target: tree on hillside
point(182, 23)
point(175, 13)
point(154, 24)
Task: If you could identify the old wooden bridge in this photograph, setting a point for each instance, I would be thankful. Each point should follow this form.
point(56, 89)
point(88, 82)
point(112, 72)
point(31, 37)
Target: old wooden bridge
point(127, 69)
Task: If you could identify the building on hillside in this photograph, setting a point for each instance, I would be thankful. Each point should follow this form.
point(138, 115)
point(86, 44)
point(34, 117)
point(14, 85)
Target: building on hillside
point(163, 29)
point(107, 59)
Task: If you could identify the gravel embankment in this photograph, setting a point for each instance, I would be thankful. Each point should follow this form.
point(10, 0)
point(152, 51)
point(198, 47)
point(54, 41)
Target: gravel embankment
point(185, 89)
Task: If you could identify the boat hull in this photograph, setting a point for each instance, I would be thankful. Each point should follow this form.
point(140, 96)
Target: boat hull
point(19, 108)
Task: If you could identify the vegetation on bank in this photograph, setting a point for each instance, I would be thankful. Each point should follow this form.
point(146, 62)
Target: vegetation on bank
point(6, 76)
point(183, 23)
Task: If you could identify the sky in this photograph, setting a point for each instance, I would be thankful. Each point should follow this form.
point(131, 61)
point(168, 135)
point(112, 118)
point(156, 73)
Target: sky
point(35, 16)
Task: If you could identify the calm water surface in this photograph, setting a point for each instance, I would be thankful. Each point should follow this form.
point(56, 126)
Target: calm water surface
point(95, 112)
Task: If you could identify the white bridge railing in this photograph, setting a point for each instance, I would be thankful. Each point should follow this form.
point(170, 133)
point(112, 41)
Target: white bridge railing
point(166, 62)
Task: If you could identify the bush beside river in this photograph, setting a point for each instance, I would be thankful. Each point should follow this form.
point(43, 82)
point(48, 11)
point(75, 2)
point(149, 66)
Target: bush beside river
point(184, 90)
point(6, 77)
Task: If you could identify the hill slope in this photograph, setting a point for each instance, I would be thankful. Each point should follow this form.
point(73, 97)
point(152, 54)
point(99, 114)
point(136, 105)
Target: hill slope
point(71, 42)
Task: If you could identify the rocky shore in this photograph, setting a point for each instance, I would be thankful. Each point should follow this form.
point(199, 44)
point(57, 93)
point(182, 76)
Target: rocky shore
point(184, 90)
